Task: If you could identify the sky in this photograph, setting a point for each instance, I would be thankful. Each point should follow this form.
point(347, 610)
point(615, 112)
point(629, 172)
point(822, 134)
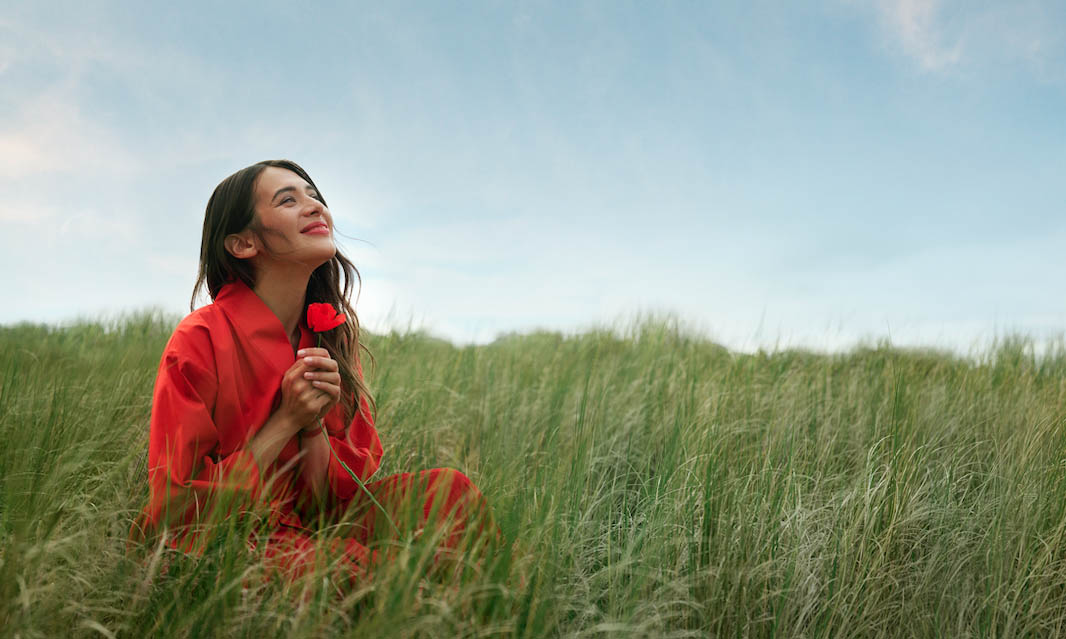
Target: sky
point(817, 174)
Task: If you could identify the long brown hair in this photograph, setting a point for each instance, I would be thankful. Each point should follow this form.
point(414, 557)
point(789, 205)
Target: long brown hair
point(231, 209)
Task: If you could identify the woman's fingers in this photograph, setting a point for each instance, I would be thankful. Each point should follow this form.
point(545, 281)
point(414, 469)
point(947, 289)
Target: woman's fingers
point(320, 389)
point(321, 399)
point(328, 377)
point(315, 351)
point(331, 390)
point(321, 363)
point(313, 388)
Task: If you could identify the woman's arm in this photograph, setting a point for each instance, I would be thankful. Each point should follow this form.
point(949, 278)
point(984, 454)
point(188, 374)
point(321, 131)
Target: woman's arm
point(327, 486)
point(271, 438)
point(357, 445)
point(188, 482)
point(314, 462)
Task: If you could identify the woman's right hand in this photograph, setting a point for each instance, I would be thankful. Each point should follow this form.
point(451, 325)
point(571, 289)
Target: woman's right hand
point(301, 402)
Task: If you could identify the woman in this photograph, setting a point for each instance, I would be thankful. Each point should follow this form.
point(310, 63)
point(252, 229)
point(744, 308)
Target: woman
point(243, 387)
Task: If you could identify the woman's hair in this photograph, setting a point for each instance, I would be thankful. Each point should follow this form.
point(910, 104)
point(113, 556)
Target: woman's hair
point(231, 209)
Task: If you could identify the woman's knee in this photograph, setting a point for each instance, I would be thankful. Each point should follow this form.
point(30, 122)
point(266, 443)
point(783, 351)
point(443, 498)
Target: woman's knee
point(452, 481)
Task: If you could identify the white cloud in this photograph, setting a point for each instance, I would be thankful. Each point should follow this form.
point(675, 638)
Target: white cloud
point(943, 35)
point(174, 265)
point(51, 133)
point(74, 234)
point(7, 56)
point(24, 214)
point(915, 25)
point(54, 128)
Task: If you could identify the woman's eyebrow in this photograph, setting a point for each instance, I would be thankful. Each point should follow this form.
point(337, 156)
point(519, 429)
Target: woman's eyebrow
point(286, 189)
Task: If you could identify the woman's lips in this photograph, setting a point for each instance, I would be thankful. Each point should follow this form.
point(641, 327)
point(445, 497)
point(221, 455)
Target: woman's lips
point(319, 229)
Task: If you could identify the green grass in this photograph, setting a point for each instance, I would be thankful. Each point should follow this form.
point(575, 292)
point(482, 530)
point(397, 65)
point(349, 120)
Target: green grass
point(652, 484)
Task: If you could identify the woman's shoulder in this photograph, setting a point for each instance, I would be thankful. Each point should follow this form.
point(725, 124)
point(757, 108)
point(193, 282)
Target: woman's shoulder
point(195, 335)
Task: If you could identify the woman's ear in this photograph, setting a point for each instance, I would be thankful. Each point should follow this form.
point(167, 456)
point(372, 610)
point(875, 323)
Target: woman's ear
point(240, 246)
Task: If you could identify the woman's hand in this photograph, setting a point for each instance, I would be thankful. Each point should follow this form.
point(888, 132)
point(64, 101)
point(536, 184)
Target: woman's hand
point(311, 387)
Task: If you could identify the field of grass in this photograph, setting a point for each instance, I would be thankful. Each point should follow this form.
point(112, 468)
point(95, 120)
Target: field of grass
point(650, 484)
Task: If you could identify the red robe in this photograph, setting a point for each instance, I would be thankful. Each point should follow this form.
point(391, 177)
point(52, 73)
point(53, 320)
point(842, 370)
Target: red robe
point(219, 381)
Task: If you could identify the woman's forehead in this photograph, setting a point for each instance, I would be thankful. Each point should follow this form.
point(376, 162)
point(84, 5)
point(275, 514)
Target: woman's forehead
point(275, 175)
point(273, 178)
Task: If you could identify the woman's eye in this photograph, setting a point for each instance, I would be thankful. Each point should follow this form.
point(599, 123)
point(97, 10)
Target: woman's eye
point(287, 199)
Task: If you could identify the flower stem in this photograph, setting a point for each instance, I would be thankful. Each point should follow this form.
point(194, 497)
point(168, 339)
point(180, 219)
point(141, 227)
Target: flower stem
point(356, 479)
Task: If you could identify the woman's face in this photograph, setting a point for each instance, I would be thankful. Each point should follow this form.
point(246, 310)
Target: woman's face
point(293, 223)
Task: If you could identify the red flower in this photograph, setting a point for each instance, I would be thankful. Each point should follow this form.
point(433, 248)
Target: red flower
point(323, 317)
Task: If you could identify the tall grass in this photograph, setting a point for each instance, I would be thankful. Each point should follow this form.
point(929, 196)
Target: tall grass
point(646, 484)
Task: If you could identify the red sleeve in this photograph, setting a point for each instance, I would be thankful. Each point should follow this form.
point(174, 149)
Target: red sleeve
point(357, 445)
point(189, 479)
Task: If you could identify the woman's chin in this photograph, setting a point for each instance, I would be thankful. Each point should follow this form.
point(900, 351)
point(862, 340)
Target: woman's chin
point(326, 256)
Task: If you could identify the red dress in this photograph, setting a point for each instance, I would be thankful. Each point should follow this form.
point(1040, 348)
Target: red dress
point(219, 381)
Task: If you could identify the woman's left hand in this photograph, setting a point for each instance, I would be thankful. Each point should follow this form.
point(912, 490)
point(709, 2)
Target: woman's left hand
point(323, 374)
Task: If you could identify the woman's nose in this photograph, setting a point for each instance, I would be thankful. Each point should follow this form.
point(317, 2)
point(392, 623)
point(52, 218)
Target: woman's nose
point(314, 206)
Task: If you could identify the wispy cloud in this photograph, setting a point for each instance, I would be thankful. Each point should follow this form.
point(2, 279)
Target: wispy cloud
point(51, 134)
point(943, 35)
point(915, 25)
point(50, 131)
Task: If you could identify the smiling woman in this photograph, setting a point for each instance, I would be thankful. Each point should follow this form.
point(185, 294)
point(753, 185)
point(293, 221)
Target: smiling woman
point(242, 388)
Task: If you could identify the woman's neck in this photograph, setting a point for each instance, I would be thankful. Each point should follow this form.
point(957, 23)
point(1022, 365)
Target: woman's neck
point(285, 294)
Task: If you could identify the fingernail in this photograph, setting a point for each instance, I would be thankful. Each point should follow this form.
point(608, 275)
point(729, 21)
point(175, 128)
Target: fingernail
point(300, 353)
point(308, 360)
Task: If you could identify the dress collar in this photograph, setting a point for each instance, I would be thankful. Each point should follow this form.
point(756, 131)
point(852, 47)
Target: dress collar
point(253, 318)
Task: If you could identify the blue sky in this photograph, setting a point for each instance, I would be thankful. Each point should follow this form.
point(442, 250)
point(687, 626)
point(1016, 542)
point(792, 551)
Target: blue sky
point(805, 174)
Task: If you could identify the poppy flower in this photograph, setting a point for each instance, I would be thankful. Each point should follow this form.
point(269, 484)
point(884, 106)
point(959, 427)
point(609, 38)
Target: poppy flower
point(323, 317)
